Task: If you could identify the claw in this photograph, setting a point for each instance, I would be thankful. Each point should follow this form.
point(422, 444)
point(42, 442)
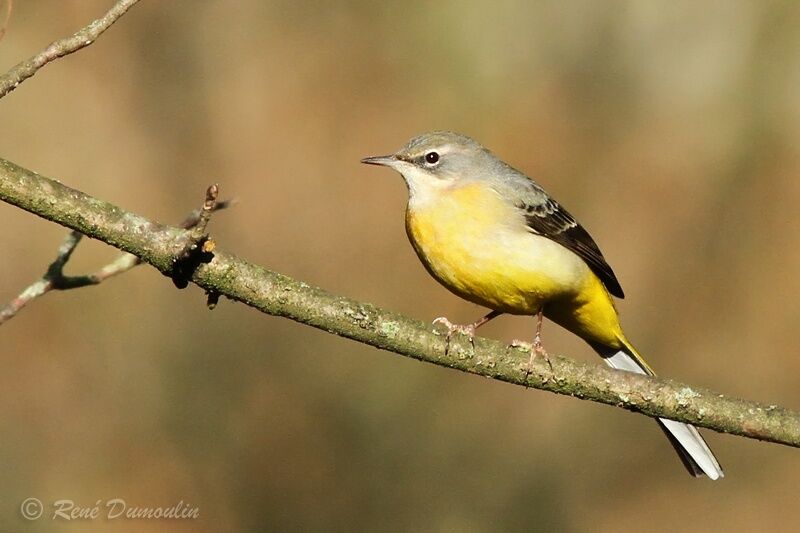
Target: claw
point(536, 348)
point(468, 329)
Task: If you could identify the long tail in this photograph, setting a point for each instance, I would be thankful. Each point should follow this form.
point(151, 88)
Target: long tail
point(695, 454)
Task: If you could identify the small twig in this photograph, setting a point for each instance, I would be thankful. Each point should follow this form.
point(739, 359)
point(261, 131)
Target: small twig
point(205, 212)
point(81, 39)
point(4, 27)
point(188, 259)
point(45, 283)
point(193, 218)
point(54, 278)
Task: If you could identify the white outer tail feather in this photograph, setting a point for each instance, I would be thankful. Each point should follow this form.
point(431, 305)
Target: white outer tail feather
point(688, 436)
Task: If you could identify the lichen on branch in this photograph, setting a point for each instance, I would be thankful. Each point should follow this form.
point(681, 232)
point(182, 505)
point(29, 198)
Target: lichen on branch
point(279, 295)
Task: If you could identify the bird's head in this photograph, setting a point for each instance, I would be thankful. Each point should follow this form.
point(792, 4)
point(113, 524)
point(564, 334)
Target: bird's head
point(437, 160)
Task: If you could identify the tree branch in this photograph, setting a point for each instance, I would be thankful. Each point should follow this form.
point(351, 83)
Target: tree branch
point(54, 278)
point(86, 36)
point(279, 295)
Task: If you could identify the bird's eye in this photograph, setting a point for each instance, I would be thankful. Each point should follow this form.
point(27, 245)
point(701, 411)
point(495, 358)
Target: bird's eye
point(432, 158)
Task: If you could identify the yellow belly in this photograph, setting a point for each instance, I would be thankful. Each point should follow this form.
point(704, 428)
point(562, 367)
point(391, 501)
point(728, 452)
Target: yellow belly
point(477, 246)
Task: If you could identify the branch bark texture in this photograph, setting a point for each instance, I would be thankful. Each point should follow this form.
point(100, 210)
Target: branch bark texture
point(80, 39)
point(55, 279)
point(279, 295)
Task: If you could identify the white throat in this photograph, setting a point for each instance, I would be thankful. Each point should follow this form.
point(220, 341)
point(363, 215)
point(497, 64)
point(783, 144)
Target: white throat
point(422, 186)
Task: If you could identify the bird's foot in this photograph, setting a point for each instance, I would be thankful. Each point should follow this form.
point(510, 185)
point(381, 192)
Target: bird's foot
point(466, 329)
point(536, 349)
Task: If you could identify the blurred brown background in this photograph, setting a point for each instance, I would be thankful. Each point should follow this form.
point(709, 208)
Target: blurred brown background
point(669, 128)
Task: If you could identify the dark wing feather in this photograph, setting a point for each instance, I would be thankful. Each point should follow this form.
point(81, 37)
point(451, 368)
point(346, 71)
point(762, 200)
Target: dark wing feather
point(550, 220)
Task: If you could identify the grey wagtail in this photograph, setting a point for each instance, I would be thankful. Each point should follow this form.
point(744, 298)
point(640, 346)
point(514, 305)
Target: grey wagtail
point(494, 237)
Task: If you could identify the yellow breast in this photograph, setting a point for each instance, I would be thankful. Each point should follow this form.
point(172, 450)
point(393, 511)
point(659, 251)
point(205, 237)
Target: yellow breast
point(477, 245)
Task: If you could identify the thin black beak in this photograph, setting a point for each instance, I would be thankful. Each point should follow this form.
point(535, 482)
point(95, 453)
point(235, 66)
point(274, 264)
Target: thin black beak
point(381, 160)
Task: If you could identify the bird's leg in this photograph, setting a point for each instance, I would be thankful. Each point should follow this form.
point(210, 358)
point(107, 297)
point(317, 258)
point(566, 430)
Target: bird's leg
point(537, 348)
point(468, 329)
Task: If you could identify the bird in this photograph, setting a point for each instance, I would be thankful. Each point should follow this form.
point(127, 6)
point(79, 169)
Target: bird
point(493, 236)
